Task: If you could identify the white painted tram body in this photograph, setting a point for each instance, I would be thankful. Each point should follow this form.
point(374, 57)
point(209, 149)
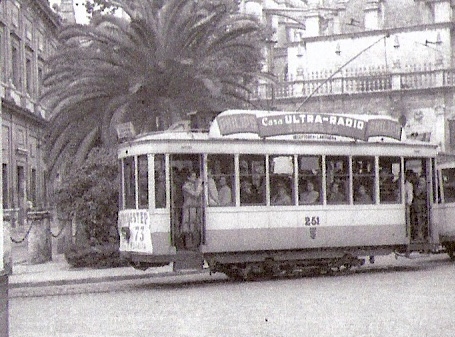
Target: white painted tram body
point(283, 152)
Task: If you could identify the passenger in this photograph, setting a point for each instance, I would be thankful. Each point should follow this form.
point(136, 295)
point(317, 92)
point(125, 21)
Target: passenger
point(191, 189)
point(310, 196)
point(258, 185)
point(388, 188)
point(212, 190)
point(225, 193)
point(281, 197)
point(362, 196)
point(335, 196)
point(243, 167)
point(409, 187)
point(409, 196)
point(419, 210)
point(247, 196)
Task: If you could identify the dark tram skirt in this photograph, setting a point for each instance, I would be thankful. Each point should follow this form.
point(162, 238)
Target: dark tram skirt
point(4, 327)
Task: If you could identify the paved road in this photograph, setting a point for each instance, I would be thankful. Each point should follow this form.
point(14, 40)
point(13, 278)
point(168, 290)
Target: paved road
point(391, 298)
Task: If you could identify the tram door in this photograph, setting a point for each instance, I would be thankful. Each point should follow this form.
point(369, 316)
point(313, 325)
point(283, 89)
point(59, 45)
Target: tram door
point(418, 180)
point(187, 201)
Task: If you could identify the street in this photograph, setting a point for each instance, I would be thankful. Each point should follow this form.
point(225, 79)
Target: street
point(404, 297)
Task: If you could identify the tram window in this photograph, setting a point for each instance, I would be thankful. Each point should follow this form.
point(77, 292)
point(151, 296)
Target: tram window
point(252, 180)
point(142, 181)
point(310, 178)
point(363, 174)
point(129, 182)
point(160, 181)
point(448, 184)
point(389, 180)
point(281, 180)
point(337, 174)
point(221, 173)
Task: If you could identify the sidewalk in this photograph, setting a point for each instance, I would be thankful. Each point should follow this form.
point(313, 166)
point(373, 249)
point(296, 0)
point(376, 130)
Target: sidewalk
point(59, 272)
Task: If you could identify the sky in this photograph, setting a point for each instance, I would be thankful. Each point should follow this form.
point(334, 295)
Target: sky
point(79, 8)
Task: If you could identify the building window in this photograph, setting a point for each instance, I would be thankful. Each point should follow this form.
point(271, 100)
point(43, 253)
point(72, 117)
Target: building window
point(15, 66)
point(5, 186)
point(33, 187)
point(14, 10)
point(28, 76)
point(40, 80)
point(40, 39)
point(2, 53)
point(28, 30)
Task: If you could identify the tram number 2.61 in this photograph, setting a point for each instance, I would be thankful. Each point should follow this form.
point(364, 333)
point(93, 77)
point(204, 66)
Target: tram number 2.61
point(312, 221)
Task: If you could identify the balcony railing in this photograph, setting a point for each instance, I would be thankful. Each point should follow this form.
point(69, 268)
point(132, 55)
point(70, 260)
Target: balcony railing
point(351, 82)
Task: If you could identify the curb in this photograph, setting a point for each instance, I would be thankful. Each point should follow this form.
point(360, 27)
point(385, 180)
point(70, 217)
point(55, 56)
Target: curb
point(88, 280)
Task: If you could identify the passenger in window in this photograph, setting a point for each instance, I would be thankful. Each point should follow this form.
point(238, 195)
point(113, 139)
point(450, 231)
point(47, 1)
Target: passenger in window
point(363, 197)
point(335, 195)
point(247, 196)
point(258, 186)
point(389, 191)
point(224, 193)
point(309, 196)
point(281, 197)
point(212, 190)
point(243, 167)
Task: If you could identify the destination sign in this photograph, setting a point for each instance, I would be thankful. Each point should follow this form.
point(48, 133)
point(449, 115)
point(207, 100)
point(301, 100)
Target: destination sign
point(301, 123)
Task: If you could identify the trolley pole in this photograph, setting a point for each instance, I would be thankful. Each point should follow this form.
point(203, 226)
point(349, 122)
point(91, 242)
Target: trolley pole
point(4, 307)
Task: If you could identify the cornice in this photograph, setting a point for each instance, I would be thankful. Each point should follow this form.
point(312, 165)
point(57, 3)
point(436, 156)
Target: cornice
point(44, 10)
point(376, 32)
point(23, 112)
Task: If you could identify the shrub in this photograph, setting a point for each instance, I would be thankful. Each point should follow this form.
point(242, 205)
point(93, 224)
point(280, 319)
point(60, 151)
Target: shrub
point(90, 193)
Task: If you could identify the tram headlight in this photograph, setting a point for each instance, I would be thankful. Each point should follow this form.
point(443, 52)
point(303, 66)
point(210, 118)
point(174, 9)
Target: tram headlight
point(126, 233)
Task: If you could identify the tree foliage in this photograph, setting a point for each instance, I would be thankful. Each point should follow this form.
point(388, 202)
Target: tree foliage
point(166, 58)
point(90, 194)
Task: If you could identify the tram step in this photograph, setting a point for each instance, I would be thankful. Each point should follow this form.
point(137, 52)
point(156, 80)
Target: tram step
point(187, 259)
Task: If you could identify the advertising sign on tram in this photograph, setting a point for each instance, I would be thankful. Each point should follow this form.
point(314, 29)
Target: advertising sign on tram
point(308, 123)
point(138, 224)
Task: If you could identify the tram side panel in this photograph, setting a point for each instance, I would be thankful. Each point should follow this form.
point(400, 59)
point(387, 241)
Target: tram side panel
point(444, 217)
point(292, 229)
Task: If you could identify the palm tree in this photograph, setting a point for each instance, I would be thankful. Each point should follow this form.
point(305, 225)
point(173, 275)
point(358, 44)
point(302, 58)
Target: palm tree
point(160, 62)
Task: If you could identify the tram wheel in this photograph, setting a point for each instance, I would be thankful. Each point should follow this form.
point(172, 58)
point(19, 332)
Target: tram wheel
point(450, 252)
point(233, 274)
point(247, 273)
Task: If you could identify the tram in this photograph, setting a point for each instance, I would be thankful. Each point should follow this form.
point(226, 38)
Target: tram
point(265, 193)
point(444, 209)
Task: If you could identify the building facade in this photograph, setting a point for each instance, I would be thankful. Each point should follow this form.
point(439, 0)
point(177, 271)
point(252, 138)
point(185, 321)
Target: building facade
point(28, 36)
point(363, 56)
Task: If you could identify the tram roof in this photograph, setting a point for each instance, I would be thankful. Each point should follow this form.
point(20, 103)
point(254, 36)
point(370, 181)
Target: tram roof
point(290, 126)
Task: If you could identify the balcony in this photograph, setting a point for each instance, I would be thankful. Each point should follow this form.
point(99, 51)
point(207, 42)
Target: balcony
point(356, 81)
